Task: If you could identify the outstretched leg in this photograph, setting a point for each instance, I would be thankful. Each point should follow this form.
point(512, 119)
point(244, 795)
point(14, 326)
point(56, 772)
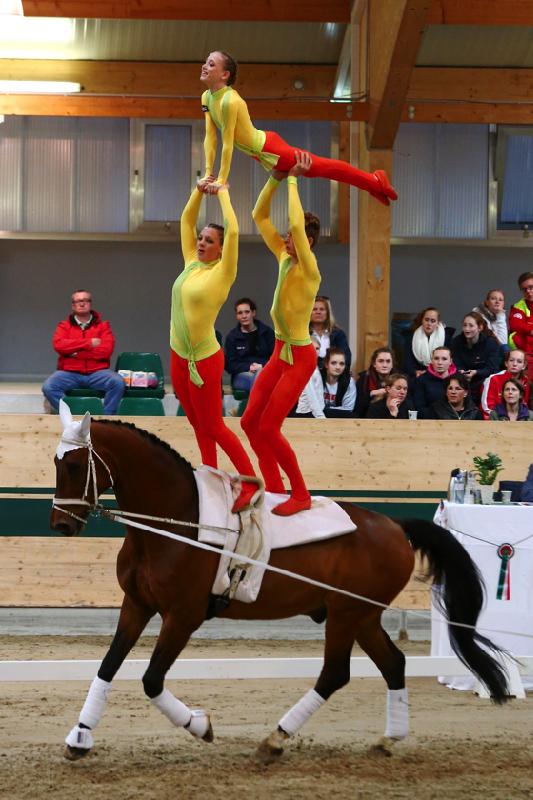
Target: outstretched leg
point(132, 621)
point(340, 636)
point(172, 639)
point(391, 663)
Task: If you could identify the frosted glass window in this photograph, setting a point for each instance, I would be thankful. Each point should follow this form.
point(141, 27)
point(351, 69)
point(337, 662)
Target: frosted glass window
point(167, 171)
point(515, 195)
point(11, 174)
point(441, 175)
point(102, 175)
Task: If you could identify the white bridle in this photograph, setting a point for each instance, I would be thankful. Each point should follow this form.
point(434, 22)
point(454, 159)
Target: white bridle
point(75, 436)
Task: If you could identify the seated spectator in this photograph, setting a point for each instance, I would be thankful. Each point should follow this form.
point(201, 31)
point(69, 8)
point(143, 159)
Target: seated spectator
point(311, 400)
point(515, 367)
point(512, 408)
point(456, 404)
point(323, 324)
point(395, 404)
point(427, 333)
point(84, 343)
point(429, 387)
point(370, 386)
point(339, 386)
point(248, 346)
point(492, 309)
point(521, 321)
point(475, 354)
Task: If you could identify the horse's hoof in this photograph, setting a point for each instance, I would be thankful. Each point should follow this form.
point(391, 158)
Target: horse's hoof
point(208, 735)
point(75, 753)
point(271, 748)
point(383, 748)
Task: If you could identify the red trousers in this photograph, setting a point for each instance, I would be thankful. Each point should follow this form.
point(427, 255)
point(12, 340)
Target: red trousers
point(274, 393)
point(203, 406)
point(321, 167)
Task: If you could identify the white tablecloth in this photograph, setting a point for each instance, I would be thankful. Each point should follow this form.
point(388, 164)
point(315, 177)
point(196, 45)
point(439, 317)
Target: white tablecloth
point(493, 526)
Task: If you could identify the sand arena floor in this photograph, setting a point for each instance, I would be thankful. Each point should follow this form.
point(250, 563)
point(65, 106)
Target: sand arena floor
point(459, 746)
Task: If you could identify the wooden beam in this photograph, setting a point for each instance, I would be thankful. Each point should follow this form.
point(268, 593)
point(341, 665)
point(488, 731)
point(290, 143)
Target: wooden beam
point(476, 113)
point(170, 108)
point(173, 79)
point(470, 84)
point(481, 12)
point(395, 32)
point(271, 11)
point(373, 261)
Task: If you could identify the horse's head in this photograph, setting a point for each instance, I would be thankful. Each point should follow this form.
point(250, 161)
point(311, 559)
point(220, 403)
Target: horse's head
point(78, 480)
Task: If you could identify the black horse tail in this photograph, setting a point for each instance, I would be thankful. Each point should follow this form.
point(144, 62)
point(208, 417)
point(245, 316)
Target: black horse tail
point(461, 600)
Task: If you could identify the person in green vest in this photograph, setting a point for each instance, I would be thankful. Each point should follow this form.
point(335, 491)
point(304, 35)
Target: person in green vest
point(521, 321)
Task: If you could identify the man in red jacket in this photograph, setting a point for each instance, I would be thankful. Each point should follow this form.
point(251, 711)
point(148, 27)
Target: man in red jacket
point(84, 343)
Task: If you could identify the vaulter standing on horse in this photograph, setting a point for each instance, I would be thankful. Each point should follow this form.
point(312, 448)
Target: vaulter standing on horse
point(284, 377)
point(197, 360)
point(225, 109)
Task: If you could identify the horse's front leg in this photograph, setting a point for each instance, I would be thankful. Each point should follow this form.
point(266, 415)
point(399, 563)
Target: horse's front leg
point(132, 621)
point(172, 639)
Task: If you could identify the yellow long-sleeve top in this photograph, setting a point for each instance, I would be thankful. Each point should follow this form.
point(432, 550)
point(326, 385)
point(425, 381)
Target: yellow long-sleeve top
point(201, 289)
point(227, 111)
point(298, 281)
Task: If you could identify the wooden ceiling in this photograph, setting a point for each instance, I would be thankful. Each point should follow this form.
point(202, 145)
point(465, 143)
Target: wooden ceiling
point(397, 89)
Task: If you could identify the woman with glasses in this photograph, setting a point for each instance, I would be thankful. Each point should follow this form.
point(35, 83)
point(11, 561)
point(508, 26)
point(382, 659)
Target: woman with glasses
point(456, 404)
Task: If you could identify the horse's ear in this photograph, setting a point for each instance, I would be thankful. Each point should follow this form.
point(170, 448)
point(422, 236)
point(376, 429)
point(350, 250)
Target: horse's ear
point(65, 414)
point(85, 426)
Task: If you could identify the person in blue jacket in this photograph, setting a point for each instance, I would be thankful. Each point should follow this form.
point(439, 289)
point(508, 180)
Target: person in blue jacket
point(248, 345)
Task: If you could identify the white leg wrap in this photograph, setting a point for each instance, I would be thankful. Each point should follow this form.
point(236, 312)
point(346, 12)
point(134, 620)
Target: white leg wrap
point(397, 714)
point(81, 738)
point(177, 712)
point(95, 703)
point(300, 713)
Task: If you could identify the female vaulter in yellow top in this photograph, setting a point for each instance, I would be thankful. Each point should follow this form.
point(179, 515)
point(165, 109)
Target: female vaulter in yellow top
point(282, 380)
point(225, 109)
point(197, 361)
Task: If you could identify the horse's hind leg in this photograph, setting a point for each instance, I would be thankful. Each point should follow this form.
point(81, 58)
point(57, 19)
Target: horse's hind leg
point(340, 636)
point(172, 639)
point(391, 663)
point(132, 621)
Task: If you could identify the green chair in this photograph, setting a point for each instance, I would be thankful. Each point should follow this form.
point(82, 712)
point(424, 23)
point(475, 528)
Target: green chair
point(143, 362)
point(85, 393)
point(141, 407)
point(79, 405)
point(181, 411)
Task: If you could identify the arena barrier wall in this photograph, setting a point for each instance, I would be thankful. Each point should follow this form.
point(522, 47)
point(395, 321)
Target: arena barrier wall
point(399, 468)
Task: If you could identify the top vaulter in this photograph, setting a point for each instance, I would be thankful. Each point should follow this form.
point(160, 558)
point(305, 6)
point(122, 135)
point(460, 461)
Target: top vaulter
point(225, 109)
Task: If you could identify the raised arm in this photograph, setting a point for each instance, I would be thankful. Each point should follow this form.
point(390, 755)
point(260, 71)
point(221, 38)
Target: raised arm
point(261, 217)
point(228, 137)
point(297, 228)
point(189, 217)
point(210, 144)
point(230, 248)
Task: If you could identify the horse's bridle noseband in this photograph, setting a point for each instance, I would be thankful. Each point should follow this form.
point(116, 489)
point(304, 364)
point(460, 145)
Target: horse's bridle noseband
point(58, 502)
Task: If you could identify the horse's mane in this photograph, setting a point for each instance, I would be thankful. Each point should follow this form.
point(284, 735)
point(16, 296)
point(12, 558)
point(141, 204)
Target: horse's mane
point(151, 437)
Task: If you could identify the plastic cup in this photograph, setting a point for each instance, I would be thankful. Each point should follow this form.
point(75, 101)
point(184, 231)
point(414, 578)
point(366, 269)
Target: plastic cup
point(506, 497)
point(413, 414)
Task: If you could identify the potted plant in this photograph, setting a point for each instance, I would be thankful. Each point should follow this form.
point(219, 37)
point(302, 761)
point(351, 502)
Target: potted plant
point(486, 470)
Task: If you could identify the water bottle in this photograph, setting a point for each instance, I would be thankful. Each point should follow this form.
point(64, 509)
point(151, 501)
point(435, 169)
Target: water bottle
point(470, 488)
point(459, 493)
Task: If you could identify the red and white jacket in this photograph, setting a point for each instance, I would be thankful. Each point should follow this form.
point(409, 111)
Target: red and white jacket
point(492, 390)
point(72, 343)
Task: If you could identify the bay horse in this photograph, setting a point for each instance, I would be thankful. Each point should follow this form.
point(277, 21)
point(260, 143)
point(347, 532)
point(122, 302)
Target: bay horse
point(175, 580)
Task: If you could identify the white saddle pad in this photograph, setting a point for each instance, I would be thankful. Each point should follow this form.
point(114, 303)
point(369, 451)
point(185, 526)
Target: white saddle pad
point(324, 520)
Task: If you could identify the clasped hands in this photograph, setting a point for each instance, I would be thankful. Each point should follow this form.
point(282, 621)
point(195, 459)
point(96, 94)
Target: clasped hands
point(210, 185)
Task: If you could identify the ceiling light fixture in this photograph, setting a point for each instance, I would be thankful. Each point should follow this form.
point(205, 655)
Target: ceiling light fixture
point(39, 87)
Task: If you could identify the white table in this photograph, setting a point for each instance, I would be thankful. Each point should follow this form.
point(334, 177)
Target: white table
point(511, 608)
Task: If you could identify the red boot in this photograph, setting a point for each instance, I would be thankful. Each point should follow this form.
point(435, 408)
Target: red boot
point(292, 506)
point(384, 192)
point(248, 489)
